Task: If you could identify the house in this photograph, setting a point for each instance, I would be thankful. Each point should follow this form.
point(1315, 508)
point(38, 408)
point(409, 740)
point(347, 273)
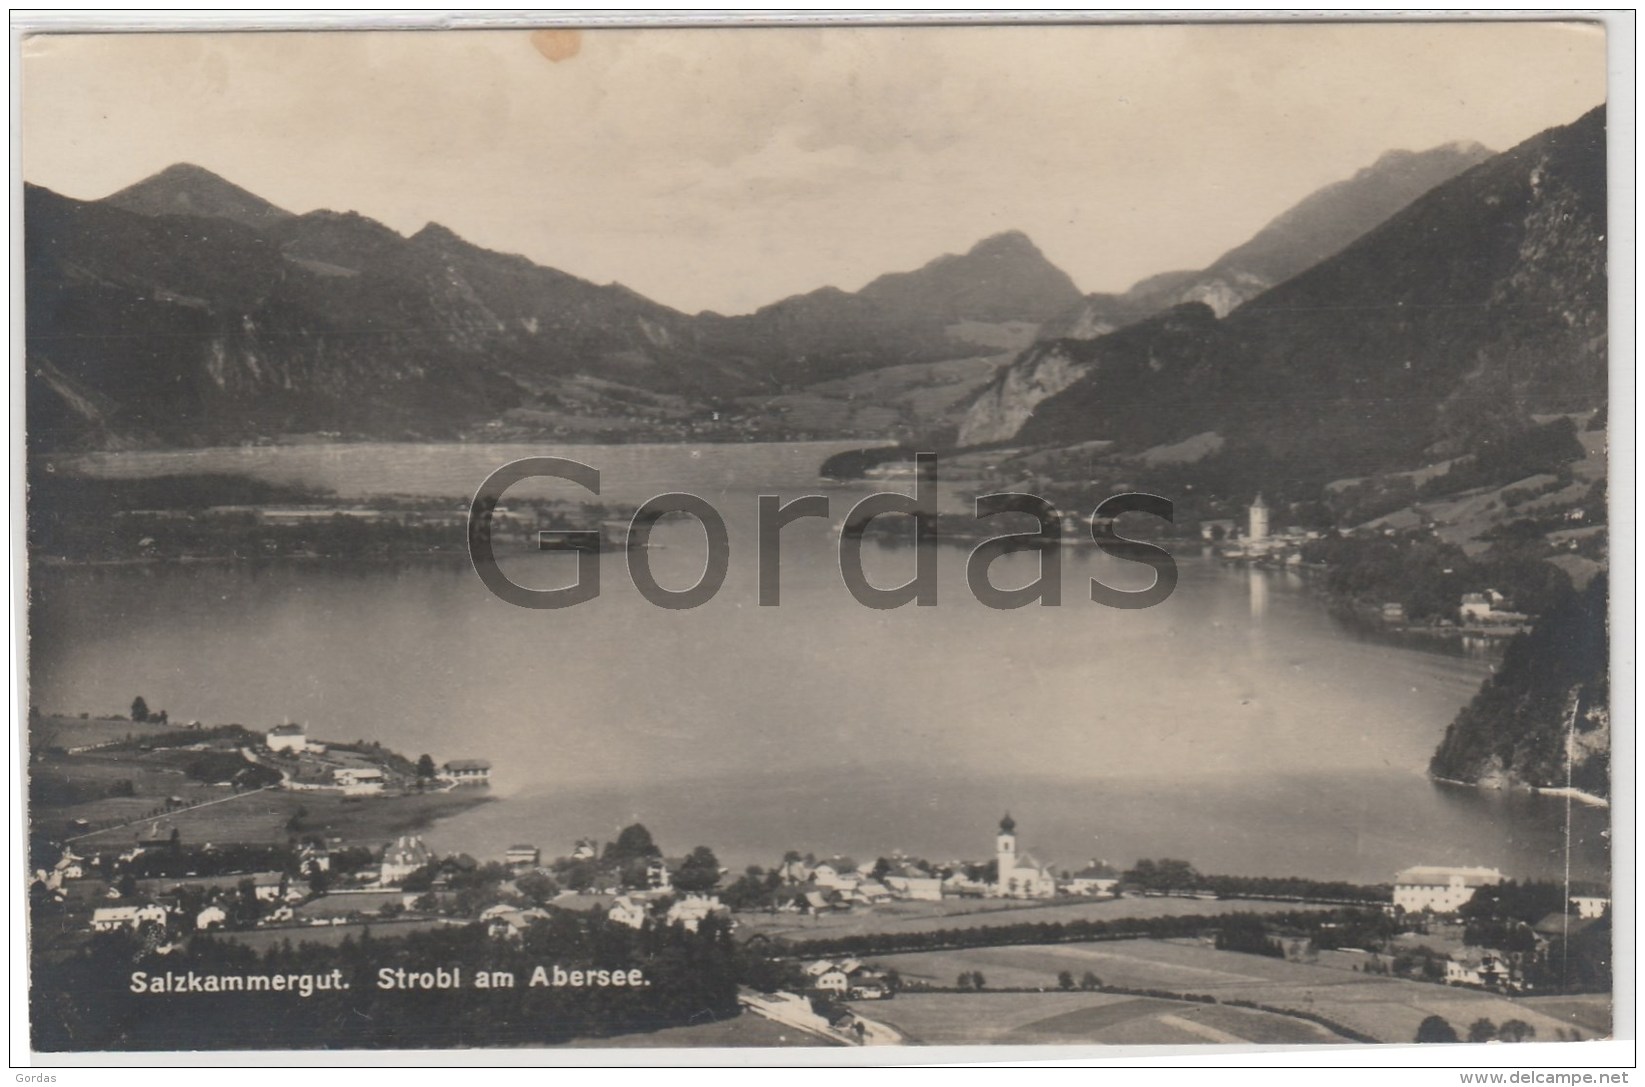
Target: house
point(1559, 926)
point(872, 891)
point(507, 922)
point(693, 910)
point(1482, 966)
point(268, 886)
point(1020, 875)
point(111, 918)
point(961, 885)
point(313, 858)
point(287, 737)
point(358, 780)
point(1489, 608)
point(1393, 612)
point(832, 980)
point(585, 850)
point(656, 874)
point(522, 856)
point(403, 857)
point(916, 883)
point(1590, 900)
point(626, 911)
point(794, 872)
point(1097, 879)
point(468, 771)
point(811, 900)
point(1439, 889)
point(209, 918)
point(841, 875)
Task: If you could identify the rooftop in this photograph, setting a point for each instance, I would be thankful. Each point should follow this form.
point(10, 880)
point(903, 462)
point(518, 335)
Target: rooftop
point(1427, 875)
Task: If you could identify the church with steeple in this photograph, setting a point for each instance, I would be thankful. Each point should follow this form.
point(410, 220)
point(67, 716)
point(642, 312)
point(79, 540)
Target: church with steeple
point(1019, 874)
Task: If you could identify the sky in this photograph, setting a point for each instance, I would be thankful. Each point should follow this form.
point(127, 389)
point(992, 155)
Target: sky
point(727, 168)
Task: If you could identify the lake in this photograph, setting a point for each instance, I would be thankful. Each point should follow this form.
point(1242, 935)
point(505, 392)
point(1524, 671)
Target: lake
point(1238, 724)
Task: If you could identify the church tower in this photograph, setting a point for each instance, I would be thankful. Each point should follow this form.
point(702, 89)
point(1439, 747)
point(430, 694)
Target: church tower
point(1258, 521)
point(1005, 853)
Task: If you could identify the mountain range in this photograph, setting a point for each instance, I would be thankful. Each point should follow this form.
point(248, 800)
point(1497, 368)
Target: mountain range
point(185, 310)
point(1481, 303)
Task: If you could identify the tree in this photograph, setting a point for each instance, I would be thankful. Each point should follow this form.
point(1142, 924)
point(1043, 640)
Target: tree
point(139, 709)
point(538, 887)
point(1065, 980)
point(1090, 981)
point(1516, 1030)
point(1435, 1028)
point(700, 872)
point(1482, 1030)
point(425, 767)
point(964, 981)
point(633, 844)
point(978, 980)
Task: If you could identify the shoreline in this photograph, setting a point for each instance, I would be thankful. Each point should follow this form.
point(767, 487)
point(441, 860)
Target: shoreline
point(1580, 796)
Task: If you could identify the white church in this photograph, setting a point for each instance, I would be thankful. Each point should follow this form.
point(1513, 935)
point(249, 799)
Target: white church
point(1020, 875)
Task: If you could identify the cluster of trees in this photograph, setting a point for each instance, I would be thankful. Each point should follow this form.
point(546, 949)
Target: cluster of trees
point(1501, 916)
point(1429, 577)
point(1508, 456)
point(1246, 933)
point(628, 861)
point(1307, 922)
point(1553, 679)
point(84, 1003)
point(1164, 875)
point(140, 712)
point(1297, 887)
point(1436, 1028)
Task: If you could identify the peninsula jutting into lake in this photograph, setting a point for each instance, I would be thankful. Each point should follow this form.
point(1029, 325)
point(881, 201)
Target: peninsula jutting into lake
point(841, 751)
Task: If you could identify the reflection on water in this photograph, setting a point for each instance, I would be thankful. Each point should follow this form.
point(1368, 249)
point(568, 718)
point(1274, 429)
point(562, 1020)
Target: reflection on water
point(1259, 593)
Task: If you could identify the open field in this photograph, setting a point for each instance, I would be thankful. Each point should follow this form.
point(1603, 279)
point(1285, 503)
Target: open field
point(1058, 1018)
point(746, 1031)
point(908, 916)
point(62, 731)
point(1388, 1009)
point(267, 817)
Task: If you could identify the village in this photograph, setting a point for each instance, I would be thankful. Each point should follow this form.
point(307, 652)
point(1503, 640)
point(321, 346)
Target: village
point(1441, 924)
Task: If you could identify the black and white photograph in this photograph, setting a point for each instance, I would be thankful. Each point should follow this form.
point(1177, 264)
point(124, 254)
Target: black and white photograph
point(1083, 537)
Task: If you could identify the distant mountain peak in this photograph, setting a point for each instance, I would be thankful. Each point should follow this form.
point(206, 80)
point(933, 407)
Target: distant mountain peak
point(439, 236)
point(186, 189)
point(1006, 241)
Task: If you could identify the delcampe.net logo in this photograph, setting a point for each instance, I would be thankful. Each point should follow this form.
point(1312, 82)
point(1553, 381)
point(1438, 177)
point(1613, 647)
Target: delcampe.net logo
point(774, 514)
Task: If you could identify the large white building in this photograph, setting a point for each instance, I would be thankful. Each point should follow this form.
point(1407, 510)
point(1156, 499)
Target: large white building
point(288, 737)
point(1020, 875)
point(1440, 889)
point(404, 856)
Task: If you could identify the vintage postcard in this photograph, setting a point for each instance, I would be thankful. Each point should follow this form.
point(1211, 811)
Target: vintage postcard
point(817, 537)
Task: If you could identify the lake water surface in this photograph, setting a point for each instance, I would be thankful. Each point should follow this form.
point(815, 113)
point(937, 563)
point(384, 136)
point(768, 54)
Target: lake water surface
point(1237, 725)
